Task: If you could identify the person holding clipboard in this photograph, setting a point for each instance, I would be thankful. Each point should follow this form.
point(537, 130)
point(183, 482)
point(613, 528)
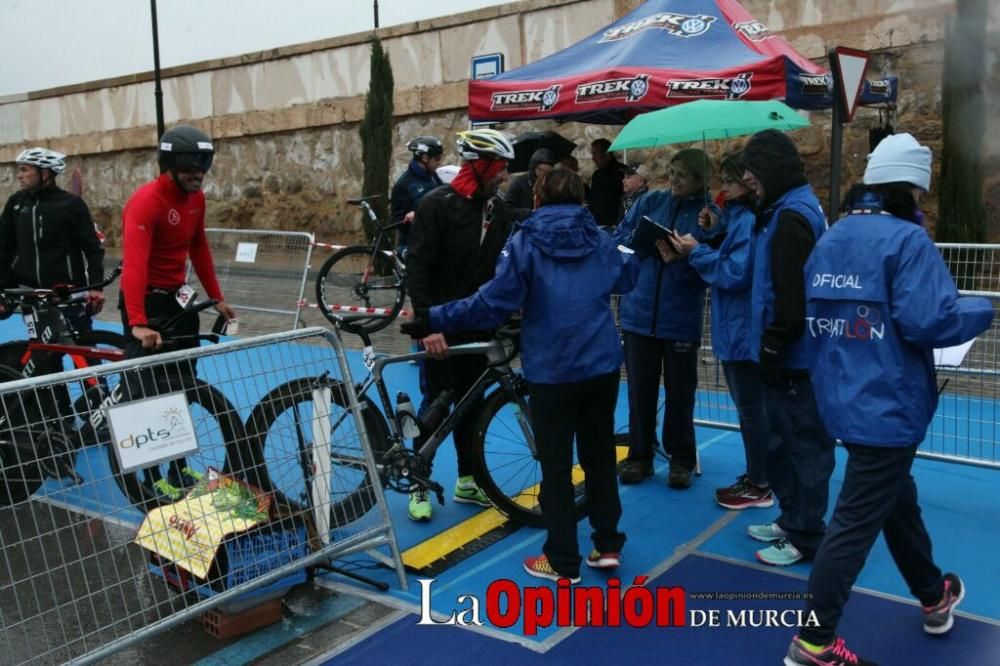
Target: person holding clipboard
point(661, 321)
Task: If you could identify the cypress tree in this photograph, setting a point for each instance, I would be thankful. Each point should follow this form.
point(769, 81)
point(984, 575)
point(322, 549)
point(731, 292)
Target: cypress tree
point(376, 135)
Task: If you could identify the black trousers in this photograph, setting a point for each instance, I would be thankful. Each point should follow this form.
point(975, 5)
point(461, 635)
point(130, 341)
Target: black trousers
point(878, 495)
point(585, 410)
point(161, 307)
point(458, 373)
point(646, 359)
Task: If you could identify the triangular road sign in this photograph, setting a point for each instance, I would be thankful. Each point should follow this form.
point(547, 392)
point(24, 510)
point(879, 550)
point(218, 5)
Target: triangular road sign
point(850, 67)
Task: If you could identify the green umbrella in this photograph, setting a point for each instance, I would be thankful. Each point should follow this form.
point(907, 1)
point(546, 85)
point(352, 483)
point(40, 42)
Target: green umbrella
point(706, 119)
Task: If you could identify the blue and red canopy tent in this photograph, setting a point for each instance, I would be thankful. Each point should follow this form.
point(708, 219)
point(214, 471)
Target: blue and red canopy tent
point(665, 52)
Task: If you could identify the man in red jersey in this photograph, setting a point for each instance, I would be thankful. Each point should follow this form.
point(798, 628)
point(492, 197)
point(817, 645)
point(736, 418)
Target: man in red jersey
point(164, 224)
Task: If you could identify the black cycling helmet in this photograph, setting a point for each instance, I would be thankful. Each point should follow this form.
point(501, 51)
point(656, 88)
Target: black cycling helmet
point(425, 145)
point(185, 147)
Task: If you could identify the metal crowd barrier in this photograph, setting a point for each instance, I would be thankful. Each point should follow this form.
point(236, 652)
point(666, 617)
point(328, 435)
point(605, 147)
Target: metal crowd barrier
point(966, 425)
point(292, 492)
point(262, 271)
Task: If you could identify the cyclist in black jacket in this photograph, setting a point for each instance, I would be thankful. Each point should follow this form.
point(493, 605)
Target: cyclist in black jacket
point(47, 236)
point(458, 233)
point(419, 178)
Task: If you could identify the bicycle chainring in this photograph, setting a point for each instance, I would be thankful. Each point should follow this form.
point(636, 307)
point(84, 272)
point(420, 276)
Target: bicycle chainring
point(405, 471)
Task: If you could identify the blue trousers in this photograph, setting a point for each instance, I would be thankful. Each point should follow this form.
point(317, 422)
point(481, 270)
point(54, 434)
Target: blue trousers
point(800, 461)
point(878, 495)
point(743, 379)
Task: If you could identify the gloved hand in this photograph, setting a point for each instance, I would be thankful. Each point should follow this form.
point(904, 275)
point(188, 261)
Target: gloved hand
point(419, 327)
point(770, 367)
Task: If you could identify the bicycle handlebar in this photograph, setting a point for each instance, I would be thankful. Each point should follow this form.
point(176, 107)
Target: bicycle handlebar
point(59, 290)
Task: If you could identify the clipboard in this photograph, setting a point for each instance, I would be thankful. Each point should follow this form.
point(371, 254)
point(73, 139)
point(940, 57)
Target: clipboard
point(647, 232)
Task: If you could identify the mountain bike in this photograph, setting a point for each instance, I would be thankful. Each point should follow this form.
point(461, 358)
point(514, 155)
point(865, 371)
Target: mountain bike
point(291, 420)
point(363, 279)
point(41, 429)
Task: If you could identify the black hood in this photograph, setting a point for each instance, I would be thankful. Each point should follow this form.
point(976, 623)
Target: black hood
point(773, 158)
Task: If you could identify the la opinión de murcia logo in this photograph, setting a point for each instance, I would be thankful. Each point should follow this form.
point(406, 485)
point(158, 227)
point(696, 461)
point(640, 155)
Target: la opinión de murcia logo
point(753, 30)
point(631, 89)
point(816, 84)
point(679, 25)
point(727, 88)
point(538, 100)
point(507, 604)
point(880, 87)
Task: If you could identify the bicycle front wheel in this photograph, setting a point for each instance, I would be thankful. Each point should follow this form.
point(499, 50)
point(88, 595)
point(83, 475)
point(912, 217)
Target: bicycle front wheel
point(505, 468)
point(356, 280)
point(21, 472)
point(283, 427)
point(222, 445)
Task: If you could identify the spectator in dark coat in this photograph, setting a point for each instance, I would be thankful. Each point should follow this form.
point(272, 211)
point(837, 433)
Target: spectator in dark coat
point(519, 198)
point(605, 184)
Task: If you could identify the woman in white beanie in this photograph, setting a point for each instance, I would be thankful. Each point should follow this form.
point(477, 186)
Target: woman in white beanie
point(879, 300)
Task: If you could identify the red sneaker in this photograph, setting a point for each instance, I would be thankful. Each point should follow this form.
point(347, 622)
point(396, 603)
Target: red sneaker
point(598, 560)
point(539, 567)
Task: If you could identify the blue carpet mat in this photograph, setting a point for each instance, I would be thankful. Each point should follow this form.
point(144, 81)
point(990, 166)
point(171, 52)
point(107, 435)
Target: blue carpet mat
point(884, 630)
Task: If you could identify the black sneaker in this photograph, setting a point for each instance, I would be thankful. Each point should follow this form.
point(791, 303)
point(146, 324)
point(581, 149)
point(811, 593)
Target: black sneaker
point(939, 617)
point(634, 470)
point(679, 477)
point(834, 654)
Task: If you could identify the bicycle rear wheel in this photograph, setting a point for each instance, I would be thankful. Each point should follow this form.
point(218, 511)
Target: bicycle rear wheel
point(21, 473)
point(222, 445)
point(360, 277)
point(281, 425)
point(505, 468)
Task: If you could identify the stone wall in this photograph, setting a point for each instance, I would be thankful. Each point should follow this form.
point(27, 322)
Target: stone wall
point(289, 152)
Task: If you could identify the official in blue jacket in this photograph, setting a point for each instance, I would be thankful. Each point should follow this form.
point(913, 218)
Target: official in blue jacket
point(726, 263)
point(560, 269)
point(661, 322)
point(800, 456)
point(880, 299)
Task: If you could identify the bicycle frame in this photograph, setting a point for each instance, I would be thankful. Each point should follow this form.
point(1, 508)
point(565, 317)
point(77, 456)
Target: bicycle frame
point(498, 371)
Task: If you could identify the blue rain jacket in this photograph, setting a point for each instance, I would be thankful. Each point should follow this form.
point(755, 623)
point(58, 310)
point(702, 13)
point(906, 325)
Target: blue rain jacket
point(729, 271)
point(879, 300)
point(668, 299)
point(560, 269)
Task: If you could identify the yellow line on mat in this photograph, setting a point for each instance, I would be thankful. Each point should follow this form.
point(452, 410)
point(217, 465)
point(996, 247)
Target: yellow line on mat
point(455, 537)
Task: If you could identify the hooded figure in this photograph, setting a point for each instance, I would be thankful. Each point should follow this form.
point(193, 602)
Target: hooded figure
point(560, 270)
point(800, 457)
point(880, 299)
point(520, 199)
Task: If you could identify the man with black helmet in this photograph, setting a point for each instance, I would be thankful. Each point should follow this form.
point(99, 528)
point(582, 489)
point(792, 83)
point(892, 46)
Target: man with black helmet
point(164, 225)
point(47, 236)
point(419, 178)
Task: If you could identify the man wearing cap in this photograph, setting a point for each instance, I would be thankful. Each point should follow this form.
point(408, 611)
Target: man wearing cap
point(635, 183)
point(878, 272)
point(520, 198)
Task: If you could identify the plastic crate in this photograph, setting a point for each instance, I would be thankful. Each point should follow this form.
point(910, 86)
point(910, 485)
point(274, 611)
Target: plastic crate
point(243, 558)
point(226, 625)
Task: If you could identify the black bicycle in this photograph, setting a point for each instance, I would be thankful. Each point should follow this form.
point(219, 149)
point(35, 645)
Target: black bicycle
point(290, 420)
point(42, 429)
point(363, 279)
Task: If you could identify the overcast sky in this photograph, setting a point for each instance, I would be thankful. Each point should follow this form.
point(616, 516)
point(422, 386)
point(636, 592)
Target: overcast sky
point(48, 43)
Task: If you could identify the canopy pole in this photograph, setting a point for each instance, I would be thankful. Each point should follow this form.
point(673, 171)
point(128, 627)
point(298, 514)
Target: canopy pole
point(836, 140)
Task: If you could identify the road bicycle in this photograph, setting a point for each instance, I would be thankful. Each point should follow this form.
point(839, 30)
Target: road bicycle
point(283, 426)
point(363, 279)
point(49, 330)
point(43, 428)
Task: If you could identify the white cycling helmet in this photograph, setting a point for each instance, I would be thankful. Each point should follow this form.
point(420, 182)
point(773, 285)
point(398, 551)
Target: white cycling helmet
point(43, 158)
point(485, 143)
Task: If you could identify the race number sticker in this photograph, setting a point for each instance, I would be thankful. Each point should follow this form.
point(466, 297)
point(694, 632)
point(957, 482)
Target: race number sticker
point(184, 295)
point(29, 323)
point(246, 253)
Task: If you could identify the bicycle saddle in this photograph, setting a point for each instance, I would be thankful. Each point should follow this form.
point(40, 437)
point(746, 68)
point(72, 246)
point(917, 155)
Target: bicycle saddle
point(360, 200)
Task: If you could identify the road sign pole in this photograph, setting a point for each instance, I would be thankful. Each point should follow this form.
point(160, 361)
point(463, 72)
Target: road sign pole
point(836, 139)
